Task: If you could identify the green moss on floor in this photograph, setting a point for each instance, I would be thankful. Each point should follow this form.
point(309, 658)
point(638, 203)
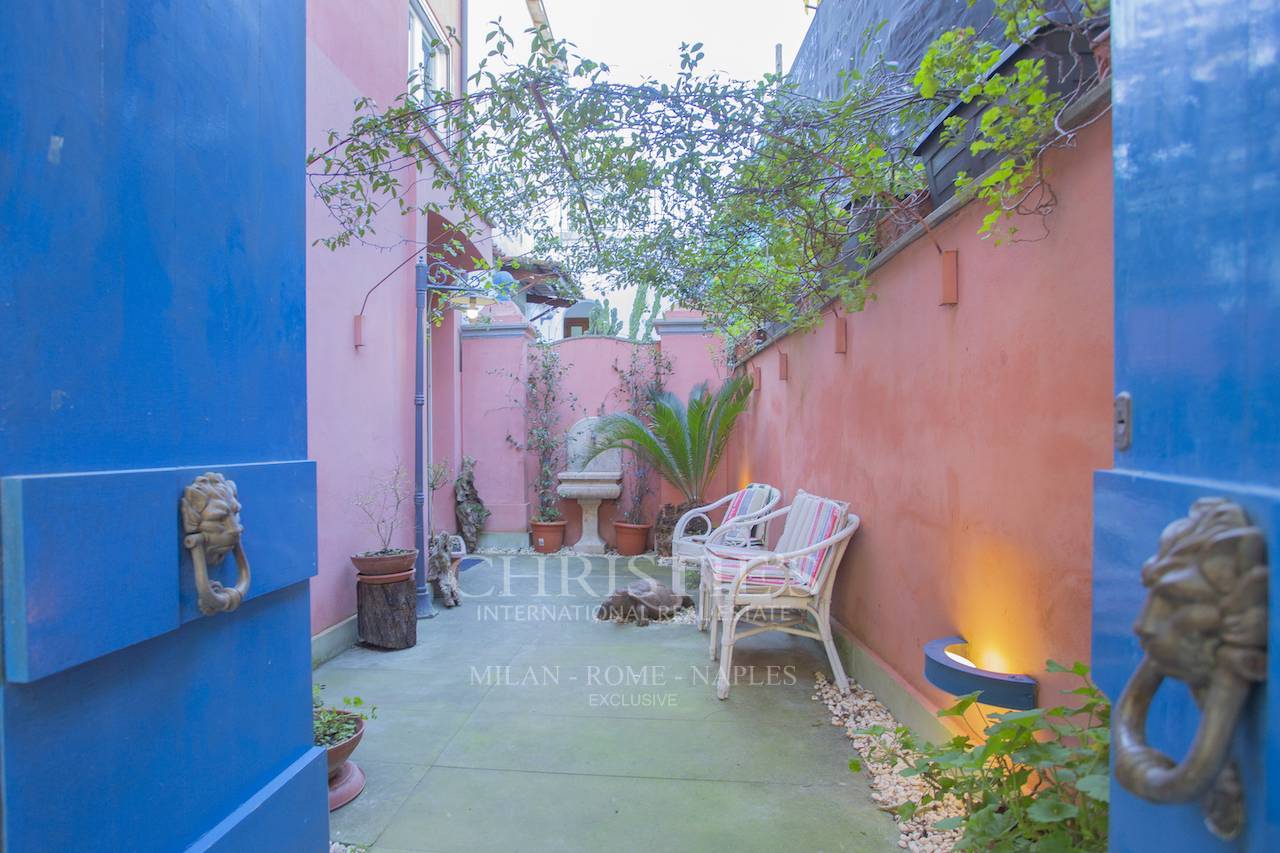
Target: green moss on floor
point(519, 722)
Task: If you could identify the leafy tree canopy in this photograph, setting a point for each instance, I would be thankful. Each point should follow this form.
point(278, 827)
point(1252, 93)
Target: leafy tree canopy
point(747, 200)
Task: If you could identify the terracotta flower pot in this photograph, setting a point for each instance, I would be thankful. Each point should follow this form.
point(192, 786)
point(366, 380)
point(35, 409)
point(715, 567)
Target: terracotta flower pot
point(341, 751)
point(346, 779)
point(547, 536)
point(632, 538)
point(394, 577)
point(385, 564)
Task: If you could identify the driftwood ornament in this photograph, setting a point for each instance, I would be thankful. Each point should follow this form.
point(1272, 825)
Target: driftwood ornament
point(468, 508)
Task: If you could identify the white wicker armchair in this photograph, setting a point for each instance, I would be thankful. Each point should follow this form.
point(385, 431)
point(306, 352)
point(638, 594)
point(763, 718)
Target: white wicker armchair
point(746, 505)
point(779, 589)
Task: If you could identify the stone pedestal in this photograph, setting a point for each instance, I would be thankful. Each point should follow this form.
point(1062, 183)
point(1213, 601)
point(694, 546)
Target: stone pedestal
point(590, 541)
point(590, 478)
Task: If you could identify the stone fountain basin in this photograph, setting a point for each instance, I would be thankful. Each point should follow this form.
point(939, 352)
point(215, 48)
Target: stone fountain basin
point(590, 485)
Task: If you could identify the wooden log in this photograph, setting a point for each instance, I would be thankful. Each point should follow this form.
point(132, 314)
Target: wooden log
point(387, 614)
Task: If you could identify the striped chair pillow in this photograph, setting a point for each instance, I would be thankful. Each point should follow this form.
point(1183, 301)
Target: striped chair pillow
point(811, 520)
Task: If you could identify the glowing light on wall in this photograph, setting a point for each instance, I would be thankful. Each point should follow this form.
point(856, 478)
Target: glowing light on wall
point(948, 667)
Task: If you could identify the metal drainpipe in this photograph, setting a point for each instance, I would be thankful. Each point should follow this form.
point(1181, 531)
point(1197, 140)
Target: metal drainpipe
point(466, 35)
point(423, 352)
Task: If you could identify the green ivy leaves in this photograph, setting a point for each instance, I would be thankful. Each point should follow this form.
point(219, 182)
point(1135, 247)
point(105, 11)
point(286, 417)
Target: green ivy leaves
point(1036, 780)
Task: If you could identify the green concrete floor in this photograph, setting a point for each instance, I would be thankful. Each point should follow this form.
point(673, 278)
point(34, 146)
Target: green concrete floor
point(520, 723)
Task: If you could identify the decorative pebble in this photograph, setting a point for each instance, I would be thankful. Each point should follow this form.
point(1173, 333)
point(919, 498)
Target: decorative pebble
point(859, 709)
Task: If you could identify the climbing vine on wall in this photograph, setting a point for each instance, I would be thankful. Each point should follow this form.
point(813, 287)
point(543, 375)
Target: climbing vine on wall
point(745, 199)
point(543, 400)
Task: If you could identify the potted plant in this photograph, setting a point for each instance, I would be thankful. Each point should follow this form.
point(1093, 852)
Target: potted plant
point(641, 383)
point(546, 442)
point(339, 731)
point(546, 530)
point(632, 534)
point(384, 505)
point(684, 442)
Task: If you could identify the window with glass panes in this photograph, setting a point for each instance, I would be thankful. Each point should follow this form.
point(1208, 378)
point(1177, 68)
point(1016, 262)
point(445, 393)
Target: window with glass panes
point(428, 55)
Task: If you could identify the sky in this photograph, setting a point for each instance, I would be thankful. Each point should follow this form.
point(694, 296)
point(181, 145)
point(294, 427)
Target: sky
point(643, 38)
point(639, 39)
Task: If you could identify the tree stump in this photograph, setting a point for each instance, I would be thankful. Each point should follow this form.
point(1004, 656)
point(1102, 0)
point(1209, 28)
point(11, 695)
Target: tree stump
point(387, 613)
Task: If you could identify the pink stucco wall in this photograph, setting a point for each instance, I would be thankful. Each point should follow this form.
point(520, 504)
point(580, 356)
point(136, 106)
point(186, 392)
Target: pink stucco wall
point(360, 401)
point(965, 436)
point(492, 394)
point(697, 358)
point(594, 383)
point(492, 407)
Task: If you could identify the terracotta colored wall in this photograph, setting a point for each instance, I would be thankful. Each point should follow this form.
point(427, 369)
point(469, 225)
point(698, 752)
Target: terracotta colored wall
point(360, 402)
point(965, 436)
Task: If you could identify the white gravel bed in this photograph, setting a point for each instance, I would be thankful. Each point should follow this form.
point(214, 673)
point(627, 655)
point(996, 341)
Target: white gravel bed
point(859, 709)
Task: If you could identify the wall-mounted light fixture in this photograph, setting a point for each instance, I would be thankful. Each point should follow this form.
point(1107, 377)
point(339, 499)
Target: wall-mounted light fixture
point(950, 278)
point(947, 666)
point(470, 302)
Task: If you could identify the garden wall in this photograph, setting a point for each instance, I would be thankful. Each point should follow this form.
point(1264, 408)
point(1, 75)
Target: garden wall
point(964, 435)
point(360, 403)
point(494, 364)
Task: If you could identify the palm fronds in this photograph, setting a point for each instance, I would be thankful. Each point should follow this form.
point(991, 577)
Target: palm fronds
point(685, 441)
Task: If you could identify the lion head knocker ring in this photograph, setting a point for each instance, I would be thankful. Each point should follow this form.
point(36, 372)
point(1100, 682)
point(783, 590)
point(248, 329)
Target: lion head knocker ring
point(1204, 623)
point(211, 524)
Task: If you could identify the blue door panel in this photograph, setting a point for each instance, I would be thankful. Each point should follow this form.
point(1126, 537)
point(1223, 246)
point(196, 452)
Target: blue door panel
point(94, 562)
point(152, 328)
point(280, 818)
point(1132, 510)
point(1196, 95)
point(1197, 270)
point(152, 179)
point(152, 746)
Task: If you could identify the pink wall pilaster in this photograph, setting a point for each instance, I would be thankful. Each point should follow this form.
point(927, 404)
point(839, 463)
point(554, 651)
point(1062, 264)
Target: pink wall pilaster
point(491, 398)
point(697, 355)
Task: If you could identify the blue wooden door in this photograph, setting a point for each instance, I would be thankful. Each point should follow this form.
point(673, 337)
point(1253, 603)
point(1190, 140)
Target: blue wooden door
point(1197, 309)
point(151, 330)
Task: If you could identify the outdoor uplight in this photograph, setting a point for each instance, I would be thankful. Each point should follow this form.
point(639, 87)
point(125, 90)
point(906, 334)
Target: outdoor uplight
point(947, 666)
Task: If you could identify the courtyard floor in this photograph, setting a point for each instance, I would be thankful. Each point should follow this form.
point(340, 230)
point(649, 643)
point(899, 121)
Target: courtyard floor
point(519, 722)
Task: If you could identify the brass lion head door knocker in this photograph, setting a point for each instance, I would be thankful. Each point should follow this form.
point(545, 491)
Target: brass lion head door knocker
point(1205, 624)
point(211, 524)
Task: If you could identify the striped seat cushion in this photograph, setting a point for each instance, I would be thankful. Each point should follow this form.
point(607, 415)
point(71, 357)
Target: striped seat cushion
point(811, 520)
point(726, 562)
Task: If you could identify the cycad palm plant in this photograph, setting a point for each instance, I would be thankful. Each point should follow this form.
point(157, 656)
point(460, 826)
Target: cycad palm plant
point(684, 442)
